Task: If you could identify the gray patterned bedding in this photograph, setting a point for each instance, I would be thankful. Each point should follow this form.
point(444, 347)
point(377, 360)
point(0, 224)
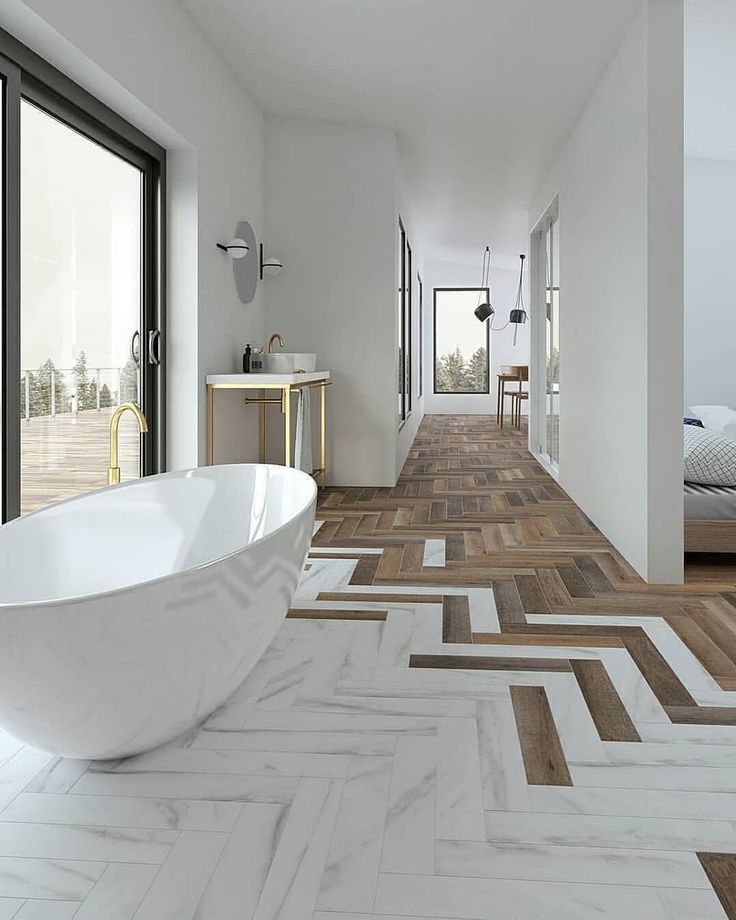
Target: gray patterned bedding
point(709, 503)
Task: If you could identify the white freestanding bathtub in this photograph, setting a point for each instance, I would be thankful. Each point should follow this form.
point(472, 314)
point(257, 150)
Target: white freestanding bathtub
point(128, 615)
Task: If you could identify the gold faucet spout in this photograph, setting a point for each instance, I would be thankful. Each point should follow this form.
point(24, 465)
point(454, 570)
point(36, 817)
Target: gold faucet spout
point(113, 471)
point(276, 337)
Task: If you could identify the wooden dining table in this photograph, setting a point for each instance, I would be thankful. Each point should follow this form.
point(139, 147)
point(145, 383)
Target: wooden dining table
point(509, 373)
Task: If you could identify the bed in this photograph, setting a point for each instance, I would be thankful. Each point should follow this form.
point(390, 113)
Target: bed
point(710, 518)
point(710, 480)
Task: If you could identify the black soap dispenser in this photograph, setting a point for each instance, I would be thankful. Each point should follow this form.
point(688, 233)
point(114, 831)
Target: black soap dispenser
point(246, 359)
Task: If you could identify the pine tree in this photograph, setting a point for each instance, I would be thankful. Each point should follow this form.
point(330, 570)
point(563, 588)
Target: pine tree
point(105, 397)
point(81, 377)
point(452, 372)
point(129, 382)
point(477, 376)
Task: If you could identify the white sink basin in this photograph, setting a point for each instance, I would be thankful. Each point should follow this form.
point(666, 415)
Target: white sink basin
point(283, 362)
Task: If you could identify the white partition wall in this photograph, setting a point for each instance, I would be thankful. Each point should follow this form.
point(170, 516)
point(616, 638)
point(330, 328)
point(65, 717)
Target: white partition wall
point(619, 182)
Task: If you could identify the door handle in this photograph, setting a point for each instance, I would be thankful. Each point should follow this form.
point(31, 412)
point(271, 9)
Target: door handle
point(135, 349)
point(154, 347)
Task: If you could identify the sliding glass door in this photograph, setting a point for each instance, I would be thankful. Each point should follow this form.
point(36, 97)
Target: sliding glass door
point(83, 302)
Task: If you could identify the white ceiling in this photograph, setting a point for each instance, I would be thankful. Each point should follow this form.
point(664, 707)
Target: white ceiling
point(710, 79)
point(481, 93)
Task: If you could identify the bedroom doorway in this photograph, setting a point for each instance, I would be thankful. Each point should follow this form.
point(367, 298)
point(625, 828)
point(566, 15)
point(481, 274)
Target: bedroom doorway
point(545, 407)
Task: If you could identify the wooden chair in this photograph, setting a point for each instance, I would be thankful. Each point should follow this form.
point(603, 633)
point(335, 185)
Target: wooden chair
point(510, 373)
point(517, 398)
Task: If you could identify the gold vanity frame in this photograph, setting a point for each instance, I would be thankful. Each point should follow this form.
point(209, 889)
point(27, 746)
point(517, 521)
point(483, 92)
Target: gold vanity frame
point(284, 402)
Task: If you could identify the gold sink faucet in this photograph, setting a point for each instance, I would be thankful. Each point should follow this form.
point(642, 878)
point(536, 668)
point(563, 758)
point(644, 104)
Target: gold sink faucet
point(276, 337)
point(113, 471)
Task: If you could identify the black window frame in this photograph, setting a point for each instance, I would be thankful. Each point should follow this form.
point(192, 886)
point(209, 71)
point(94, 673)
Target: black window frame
point(437, 392)
point(27, 76)
point(420, 344)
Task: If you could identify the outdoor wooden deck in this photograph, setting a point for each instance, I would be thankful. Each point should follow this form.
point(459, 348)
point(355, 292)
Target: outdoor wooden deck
point(66, 455)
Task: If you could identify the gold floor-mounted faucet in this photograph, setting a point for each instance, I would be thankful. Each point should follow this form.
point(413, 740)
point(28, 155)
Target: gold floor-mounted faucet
point(276, 337)
point(113, 471)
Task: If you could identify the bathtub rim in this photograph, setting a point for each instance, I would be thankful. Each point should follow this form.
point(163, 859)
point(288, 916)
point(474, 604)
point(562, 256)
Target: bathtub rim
point(9, 607)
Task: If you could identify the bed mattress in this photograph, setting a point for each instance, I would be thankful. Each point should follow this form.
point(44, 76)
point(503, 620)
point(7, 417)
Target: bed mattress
point(709, 503)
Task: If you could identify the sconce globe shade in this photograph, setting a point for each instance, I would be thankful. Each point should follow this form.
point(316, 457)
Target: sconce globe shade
point(484, 311)
point(237, 248)
point(272, 266)
point(518, 316)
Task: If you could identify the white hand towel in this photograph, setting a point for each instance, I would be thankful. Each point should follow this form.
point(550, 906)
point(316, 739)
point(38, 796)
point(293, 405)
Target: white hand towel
point(303, 440)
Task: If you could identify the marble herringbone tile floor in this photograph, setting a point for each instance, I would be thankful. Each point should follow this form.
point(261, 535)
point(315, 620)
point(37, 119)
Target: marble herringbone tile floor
point(443, 728)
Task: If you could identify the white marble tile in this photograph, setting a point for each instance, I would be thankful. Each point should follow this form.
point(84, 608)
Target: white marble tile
point(19, 770)
point(670, 733)
point(179, 885)
point(397, 639)
point(59, 775)
point(328, 662)
point(646, 803)
point(349, 880)
point(672, 754)
point(118, 893)
point(591, 865)
point(577, 732)
point(389, 705)
point(647, 776)
point(339, 723)
point(9, 746)
point(47, 910)
point(434, 553)
point(502, 768)
point(9, 908)
point(502, 899)
point(296, 741)
point(362, 654)
point(293, 881)
point(241, 872)
point(54, 841)
point(679, 657)
point(201, 760)
point(324, 575)
point(483, 613)
point(611, 831)
point(122, 811)
point(212, 787)
point(408, 843)
point(459, 792)
point(57, 879)
point(282, 687)
point(352, 551)
point(272, 666)
point(691, 905)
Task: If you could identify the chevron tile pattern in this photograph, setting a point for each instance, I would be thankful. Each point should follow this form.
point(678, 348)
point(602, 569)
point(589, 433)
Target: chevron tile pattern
point(475, 709)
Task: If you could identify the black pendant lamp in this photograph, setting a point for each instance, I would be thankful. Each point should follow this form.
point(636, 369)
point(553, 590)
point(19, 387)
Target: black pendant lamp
point(484, 310)
point(518, 315)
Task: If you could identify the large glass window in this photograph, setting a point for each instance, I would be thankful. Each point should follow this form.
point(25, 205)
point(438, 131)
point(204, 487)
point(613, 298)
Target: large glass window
point(82, 236)
point(420, 347)
point(461, 343)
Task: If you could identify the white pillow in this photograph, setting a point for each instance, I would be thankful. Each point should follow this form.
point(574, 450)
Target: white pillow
point(710, 458)
point(714, 417)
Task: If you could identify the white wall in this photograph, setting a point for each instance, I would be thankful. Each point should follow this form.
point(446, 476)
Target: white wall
point(710, 282)
point(331, 193)
point(619, 180)
point(504, 284)
point(151, 63)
